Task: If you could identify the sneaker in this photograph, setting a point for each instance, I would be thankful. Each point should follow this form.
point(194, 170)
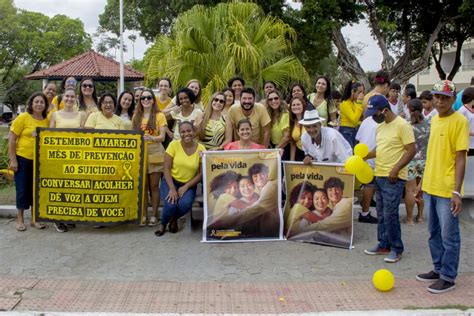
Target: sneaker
point(377, 251)
point(441, 286)
point(393, 257)
point(428, 277)
point(368, 219)
point(153, 221)
point(60, 227)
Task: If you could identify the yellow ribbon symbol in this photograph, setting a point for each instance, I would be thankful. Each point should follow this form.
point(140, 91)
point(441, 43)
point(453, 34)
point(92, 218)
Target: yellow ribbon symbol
point(127, 166)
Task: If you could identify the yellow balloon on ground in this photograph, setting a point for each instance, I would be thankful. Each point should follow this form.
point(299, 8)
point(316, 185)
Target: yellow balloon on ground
point(361, 150)
point(383, 280)
point(353, 163)
point(365, 174)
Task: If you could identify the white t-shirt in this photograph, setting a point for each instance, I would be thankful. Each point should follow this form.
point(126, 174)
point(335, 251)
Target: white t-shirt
point(430, 115)
point(469, 114)
point(367, 135)
point(333, 148)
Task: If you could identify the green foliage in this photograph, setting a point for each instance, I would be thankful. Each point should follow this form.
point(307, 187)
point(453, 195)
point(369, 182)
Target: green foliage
point(30, 41)
point(213, 44)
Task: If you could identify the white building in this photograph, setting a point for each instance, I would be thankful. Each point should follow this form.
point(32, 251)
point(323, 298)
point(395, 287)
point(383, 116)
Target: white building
point(426, 78)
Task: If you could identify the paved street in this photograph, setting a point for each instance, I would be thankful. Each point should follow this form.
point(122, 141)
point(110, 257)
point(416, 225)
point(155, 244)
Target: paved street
point(90, 264)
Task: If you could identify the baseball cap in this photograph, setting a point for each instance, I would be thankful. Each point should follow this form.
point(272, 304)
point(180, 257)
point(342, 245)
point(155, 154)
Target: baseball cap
point(444, 87)
point(376, 103)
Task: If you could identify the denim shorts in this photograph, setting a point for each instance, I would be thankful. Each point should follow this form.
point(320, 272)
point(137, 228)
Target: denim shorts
point(24, 183)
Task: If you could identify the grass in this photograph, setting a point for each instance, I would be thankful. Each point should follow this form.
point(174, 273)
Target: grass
point(7, 195)
point(458, 307)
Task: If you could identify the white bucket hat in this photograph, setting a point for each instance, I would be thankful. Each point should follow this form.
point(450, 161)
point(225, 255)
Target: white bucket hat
point(311, 117)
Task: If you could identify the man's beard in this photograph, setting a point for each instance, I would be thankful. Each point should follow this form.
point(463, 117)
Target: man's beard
point(247, 106)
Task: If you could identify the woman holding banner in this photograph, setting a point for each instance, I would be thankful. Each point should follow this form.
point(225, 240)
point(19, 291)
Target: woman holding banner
point(182, 172)
point(149, 119)
point(244, 130)
point(68, 117)
point(21, 141)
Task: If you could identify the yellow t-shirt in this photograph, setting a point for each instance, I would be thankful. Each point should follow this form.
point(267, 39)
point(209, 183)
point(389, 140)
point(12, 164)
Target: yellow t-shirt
point(160, 122)
point(66, 122)
point(259, 119)
point(447, 136)
point(296, 133)
point(279, 128)
point(97, 120)
point(23, 127)
point(184, 167)
point(162, 105)
point(350, 113)
point(391, 139)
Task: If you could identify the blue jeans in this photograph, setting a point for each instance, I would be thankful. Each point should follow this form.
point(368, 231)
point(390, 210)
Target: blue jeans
point(183, 205)
point(388, 196)
point(349, 134)
point(445, 238)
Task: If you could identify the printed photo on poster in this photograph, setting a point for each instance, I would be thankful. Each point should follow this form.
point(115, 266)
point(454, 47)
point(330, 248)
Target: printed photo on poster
point(319, 204)
point(242, 196)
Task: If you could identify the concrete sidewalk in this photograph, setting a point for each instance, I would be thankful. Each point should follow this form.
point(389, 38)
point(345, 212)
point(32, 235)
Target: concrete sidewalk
point(128, 269)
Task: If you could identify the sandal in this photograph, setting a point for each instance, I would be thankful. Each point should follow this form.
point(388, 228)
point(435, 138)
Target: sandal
point(38, 225)
point(160, 231)
point(153, 221)
point(143, 222)
point(20, 227)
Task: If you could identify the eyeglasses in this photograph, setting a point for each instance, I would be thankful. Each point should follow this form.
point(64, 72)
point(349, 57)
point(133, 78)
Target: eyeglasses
point(221, 101)
point(71, 82)
point(146, 97)
point(86, 85)
point(274, 99)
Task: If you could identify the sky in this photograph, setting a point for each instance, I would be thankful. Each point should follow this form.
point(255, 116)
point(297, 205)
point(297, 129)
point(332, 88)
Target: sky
point(88, 12)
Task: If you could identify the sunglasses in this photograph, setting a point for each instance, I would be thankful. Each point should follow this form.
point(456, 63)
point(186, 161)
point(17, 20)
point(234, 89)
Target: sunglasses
point(221, 101)
point(86, 85)
point(273, 99)
point(71, 82)
point(147, 97)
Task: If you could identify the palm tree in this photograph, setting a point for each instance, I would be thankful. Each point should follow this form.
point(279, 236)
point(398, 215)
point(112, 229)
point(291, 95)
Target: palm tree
point(212, 44)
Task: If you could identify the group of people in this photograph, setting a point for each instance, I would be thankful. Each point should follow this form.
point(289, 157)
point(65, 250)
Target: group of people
point(405, 135)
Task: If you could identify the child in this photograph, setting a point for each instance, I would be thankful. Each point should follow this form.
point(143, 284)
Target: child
point(428, 107)
point(301, 201)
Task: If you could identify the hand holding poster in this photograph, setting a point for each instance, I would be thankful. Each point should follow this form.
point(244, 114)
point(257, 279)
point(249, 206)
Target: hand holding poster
point(318, 205)
point(88, 176)
point(242, 196)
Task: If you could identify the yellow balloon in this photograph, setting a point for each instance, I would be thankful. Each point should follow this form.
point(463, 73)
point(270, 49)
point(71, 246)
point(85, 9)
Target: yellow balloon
point(361, 150)
point(365, 174)
point(383, 280)
point(353, 163)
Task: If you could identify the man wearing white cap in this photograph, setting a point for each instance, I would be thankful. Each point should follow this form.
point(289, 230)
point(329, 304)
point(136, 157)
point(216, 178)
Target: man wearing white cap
point(322, 144)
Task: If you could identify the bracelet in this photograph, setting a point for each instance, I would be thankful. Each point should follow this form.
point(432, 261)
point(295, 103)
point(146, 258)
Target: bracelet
point(457, 193)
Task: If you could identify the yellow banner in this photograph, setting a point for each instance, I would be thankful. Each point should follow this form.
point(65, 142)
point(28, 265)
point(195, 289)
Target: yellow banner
point(88, 176)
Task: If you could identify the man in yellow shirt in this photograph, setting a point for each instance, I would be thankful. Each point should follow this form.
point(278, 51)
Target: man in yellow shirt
point(395, 147)
point(442, 187)
point(381, 83)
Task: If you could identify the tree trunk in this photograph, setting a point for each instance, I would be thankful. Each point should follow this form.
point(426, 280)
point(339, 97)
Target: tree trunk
point(437, 60)
point(347, 60)
point(457, 59)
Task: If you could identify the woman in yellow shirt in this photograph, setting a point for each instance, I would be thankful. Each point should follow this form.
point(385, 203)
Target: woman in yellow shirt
point(21, 141)
point(50, 92)
point(211, 131)
point(149, 119)
point(125, 108)
point(322, 100)
point(297, 108)
point(105, 118)
point(163, 98)
point(182, 173)
point(68, 116)
point(280, 122)
point(351, 110)
point(87, 96)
